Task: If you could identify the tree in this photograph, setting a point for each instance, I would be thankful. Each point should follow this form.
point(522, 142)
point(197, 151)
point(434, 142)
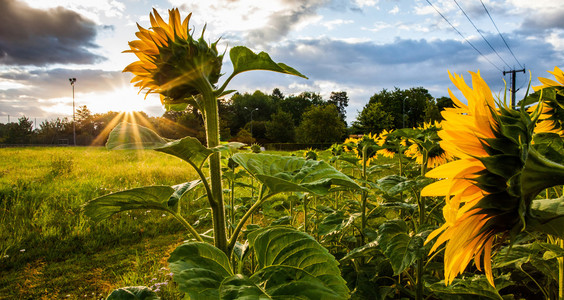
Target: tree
point(280, 128)
point(407, 107)
point(242, 105)
point(277, 94)
point(341, 101)
point(18, 133)
point(321, 124)
point(444, 102)
point(373, 119)
point(298, 105)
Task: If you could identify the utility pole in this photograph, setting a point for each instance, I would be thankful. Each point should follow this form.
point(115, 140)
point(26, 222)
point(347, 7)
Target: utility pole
point(72, 81)
point(513, 84)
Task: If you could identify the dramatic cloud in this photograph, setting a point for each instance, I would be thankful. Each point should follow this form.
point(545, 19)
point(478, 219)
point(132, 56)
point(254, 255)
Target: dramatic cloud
point(30, 36)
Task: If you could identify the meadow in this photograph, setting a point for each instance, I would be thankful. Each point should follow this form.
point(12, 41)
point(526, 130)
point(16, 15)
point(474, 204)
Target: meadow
point(49, 249)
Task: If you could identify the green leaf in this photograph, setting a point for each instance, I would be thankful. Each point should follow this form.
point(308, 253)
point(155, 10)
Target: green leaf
point(240, 287)
point(394, 184)
point(368, 250)
point(286, 282)
point(179, 191)
point(188, 149)
point(199, 269)
point(282, 249)
point(133, 293)
point(293, 174)
point(401, 248)
point(477, 285)
point(550, 145)
point(151, 197)
point(133, 136)
point(228, 147)
point(244, 59)
point(547, 215)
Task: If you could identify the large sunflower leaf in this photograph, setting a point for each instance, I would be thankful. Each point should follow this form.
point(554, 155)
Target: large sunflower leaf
point(179, 191)
point(550, 145)
point(150, 197)
point(199, 269)
point(133, 293)
point(127, 136)
point(298, 259)
point(547, 215)
point(293, 174)
point(134, 136)
point(292, 265)
point(240, 287)
point(244, 59)
point(401, 248)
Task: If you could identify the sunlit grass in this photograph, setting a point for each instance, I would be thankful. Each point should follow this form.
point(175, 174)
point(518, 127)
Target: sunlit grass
point(48, 245)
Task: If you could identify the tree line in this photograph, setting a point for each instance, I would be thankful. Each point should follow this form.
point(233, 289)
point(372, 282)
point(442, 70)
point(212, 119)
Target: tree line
point(256, 117)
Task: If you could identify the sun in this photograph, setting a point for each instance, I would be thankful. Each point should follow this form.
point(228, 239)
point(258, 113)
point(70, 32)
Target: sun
point(122, 99)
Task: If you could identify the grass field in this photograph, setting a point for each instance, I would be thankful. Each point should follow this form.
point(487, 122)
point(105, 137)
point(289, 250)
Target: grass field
point(48, 249)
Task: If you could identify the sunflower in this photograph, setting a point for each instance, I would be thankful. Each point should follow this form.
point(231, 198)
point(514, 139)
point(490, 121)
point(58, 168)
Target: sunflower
point(171, 62)
point(390, 143)
point(367, 143)
point(552, 111)
point(427, 139)
point(483, 189)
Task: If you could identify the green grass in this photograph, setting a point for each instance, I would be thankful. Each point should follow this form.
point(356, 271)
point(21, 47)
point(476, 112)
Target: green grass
point(48, 249)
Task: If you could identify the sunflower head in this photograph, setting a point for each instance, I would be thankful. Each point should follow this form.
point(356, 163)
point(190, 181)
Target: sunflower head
point(366, 145)
point(426, 144)
point(489, 190)
point(310, 154)
point(171, 61)
point(550, 96)
point(391, 143)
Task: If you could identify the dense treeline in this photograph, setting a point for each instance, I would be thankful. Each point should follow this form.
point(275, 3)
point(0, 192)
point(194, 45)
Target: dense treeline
point(261, 118)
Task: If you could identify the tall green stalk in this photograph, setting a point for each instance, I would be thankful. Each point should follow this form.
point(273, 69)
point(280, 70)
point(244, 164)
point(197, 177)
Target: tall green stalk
point(364, 195)
point(421, 203)
point(216, 202)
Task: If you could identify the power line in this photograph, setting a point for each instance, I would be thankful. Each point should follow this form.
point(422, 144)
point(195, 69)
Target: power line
point(463, 36)
point(483, 37)
point(501, 35)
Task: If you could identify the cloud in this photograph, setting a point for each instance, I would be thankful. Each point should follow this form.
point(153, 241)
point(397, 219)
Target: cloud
point(30, 36)
point(330, 25)
point(394, 10)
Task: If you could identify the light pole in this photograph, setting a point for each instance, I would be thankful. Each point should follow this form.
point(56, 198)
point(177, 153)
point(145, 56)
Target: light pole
point(72, 81)
point(403, 112)
point(253, 110)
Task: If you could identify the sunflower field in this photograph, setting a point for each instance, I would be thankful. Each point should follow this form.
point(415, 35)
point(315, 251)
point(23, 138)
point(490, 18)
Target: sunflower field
point(469, 207)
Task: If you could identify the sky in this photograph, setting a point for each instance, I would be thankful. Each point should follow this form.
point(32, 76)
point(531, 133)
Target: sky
point(357, 46)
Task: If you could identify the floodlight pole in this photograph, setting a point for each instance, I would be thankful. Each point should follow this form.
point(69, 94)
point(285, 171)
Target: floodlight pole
point(72, 81)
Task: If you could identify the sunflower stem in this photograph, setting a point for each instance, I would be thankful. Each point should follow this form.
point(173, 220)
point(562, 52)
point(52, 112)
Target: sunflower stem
point(560, 272)
point(212, 136)
point(364, 196)
point(421, 203)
